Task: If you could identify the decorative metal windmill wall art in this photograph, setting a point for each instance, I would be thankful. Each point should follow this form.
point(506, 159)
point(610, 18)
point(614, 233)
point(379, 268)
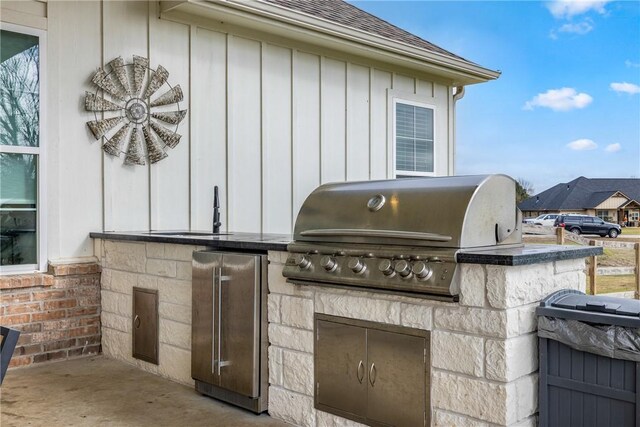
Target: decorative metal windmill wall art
point(124, 92)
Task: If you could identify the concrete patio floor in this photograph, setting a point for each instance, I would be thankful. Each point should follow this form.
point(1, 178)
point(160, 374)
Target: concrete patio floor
point(100, 391)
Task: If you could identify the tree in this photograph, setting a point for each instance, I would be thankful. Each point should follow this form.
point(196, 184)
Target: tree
point(524, 190)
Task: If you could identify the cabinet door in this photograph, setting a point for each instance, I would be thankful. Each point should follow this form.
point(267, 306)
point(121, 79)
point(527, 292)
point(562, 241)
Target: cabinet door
point(145, 325)
point(237, 316)
point(340, 369)
point(397, 378)
point(205, 264)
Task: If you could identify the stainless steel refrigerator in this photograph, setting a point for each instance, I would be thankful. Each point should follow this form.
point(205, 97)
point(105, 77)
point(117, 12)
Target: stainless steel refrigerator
point(229, 328)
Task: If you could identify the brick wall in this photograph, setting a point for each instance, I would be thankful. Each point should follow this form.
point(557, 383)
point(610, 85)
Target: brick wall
point(58, 313)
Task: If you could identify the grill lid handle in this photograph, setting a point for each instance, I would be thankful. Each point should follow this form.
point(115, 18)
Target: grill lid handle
point(391, 234)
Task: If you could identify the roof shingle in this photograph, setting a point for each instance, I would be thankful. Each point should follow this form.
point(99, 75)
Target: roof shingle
point(346, 14)
point(581, 193)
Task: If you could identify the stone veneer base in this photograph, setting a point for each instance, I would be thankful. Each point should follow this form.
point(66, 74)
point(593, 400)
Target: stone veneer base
point(483, 349)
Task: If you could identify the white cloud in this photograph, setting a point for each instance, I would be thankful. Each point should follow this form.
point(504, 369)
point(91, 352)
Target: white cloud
point(563, 99)
point(580, 28)
point(631, 64)
point(612, 148)
point(582, 145)
point(569, 8)
point(625, 87)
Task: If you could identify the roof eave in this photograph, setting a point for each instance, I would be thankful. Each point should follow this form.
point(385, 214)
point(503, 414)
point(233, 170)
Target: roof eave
point(318, 31)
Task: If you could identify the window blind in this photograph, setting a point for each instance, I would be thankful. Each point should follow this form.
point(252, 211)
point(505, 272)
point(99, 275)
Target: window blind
point(414, 138)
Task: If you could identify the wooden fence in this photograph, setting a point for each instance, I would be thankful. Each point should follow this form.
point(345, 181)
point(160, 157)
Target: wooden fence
point(562, 236)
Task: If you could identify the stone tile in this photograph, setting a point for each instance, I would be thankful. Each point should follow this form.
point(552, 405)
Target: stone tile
point(116, 344)
point(174, 291)
point(180, 252)
point(296, 312)
point(476, 398)
point(175, 364)
point(275, 366)
point(175, 333)
point(458, 353)
point(492, 323)
point(115, 321)
point(291, 407)
point(416, 316)
point(324, 419)
point(375, 310)
point(155, 250)
point(273, 308)
point(279, 285)
point(291, 338)
point(184, 270)
point(513, 358)
point(472, 285)
point(121, 281)
point(177, 312)
point(298, 372)
point(442, 418)
point(161, 267)
point(125, 256)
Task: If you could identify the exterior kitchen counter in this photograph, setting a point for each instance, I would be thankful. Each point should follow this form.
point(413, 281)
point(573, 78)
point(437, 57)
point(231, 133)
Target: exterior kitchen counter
point(526, 255)
point(233, 240)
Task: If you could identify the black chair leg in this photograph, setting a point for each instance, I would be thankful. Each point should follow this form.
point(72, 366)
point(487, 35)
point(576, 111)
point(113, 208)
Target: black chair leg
point(9, 341)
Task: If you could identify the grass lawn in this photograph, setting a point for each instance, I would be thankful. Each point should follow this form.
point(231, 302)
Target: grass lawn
point(607, 284)
point(612, 257)
point(631, 230)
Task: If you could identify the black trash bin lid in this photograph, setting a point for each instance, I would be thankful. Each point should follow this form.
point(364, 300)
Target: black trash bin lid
point(570, 304)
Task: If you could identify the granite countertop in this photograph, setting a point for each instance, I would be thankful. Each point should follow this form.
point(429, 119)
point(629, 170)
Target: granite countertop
point(528, 254)
point(231, 240)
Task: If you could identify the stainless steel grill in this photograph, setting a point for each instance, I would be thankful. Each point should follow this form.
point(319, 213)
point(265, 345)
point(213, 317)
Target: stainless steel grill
point(402, 235)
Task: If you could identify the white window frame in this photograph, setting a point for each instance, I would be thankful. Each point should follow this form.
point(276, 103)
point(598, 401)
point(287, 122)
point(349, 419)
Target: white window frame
point(40, 151)
point(404, 99)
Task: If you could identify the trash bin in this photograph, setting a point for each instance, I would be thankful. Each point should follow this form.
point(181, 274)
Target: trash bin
point(589, 349)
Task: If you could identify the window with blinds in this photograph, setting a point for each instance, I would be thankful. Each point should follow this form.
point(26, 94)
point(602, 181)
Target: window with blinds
point(414, 139)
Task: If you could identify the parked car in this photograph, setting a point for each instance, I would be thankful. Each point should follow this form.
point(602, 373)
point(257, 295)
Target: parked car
point(544, 219)
point(586, 224)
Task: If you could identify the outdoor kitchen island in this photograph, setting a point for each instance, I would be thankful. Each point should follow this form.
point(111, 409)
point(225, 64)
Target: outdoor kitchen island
point(483, 348)
point(483, 361)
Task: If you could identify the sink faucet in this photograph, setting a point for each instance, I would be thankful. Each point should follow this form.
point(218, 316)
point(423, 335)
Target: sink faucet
point(216, 211)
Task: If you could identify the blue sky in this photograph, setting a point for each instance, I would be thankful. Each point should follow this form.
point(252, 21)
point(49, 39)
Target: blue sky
point(568, 100)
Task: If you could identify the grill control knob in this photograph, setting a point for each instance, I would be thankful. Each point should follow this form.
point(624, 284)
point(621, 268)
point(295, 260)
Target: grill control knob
point(421, 270)
point(302, 261)
point(356, 265)
point(403, 268)
point(328, 263)
point(386, 267)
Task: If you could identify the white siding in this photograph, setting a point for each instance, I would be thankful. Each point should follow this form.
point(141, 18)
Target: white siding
point(333, 127)
point(245, 144)
point(169, 201)
point(74, 158)
point(208, 126)
point(306, 126)
point(357, 123)
point(126, 188)
point(276, 139)
point(267, 123)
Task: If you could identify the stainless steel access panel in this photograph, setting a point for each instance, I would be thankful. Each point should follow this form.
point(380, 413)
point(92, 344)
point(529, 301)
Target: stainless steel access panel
point(229, 336)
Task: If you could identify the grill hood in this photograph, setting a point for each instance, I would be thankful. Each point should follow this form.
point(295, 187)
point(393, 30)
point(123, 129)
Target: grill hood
point(447, 212)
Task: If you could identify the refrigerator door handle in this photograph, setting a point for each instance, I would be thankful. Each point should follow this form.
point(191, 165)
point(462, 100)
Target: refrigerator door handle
point(221, 363)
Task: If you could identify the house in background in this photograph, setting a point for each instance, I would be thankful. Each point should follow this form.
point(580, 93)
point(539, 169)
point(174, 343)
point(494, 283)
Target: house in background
point(612, 199)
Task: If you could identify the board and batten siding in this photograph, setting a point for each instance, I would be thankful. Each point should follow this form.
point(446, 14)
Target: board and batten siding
point(267, 123)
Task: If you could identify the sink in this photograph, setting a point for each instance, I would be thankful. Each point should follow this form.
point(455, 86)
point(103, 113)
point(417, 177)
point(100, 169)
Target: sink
point(187, 233)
